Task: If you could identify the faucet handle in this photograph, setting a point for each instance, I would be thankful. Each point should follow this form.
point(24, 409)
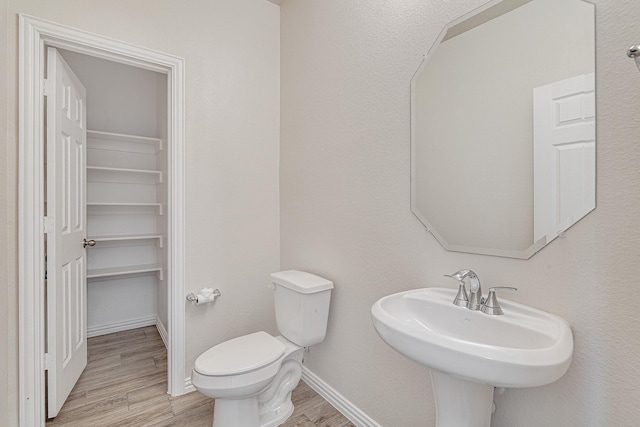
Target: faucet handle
point(461, 298)
point(491, 305)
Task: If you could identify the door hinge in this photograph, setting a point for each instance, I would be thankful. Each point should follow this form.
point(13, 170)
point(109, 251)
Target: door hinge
point(47, 87)
point(48, 225)
point(48, 361)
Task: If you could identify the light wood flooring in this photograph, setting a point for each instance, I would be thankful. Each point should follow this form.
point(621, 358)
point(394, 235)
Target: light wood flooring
point(125, 384)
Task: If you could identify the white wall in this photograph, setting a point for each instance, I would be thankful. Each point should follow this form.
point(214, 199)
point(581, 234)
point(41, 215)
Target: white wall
point(232, 88)
point(346, 68)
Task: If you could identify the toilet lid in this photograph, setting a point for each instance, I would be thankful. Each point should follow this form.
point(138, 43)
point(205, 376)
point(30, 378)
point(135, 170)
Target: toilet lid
point(239, 355)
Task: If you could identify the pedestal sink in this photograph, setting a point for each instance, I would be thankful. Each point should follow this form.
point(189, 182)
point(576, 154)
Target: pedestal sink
point(471, 352)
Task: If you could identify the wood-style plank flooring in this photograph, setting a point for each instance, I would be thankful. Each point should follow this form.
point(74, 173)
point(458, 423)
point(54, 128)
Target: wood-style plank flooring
point(125, 384)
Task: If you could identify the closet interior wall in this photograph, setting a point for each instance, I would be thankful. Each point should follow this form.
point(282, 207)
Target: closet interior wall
point(126, 195)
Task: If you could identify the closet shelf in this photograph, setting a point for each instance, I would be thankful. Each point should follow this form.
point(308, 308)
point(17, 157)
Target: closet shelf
point(126, 238)
point(123, 271)
point(114, 237)
point(122, 175)
point(124, 208)
point(124, 186)
point(121, 142)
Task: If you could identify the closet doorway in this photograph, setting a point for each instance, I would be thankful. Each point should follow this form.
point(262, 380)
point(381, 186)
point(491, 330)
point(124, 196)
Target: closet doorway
point(112, 172)
point(129, 169)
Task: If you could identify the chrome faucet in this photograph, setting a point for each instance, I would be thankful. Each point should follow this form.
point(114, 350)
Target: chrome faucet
point(475, 300)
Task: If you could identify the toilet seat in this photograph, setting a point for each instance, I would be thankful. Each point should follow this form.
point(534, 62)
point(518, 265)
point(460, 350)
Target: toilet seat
point(240, 355)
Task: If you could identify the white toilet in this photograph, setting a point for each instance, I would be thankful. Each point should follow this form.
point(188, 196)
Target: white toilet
point(251, 377)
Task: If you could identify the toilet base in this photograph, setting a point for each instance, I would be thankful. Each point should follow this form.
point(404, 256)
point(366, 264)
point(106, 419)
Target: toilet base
point(270, 407)
point(275, 401)
point(236, 412)
point(279, 419)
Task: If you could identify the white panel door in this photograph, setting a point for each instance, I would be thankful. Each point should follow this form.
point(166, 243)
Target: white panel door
point(66, 228)
point(564, 154)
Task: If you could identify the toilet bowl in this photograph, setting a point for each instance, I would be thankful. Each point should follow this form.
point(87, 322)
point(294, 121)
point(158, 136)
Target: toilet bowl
point(251, 377)
point(244, 387)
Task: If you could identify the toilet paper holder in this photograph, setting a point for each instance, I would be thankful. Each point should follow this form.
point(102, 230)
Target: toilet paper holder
point(203, 296)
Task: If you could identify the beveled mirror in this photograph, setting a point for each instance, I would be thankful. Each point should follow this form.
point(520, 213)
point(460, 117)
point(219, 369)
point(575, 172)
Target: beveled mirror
point(503, 127)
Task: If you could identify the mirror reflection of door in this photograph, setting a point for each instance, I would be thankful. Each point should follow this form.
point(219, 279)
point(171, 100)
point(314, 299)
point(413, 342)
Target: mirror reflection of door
point(564, 146)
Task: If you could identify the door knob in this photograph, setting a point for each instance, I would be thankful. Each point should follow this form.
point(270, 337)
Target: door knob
point(86, 243)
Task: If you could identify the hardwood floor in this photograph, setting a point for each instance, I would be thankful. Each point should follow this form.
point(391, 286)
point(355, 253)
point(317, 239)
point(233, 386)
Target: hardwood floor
point(125, 384)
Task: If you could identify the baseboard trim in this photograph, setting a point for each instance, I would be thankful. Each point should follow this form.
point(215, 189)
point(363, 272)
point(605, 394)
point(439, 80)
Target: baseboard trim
point(338, 401)
point(162, 331)
point(188, 385)
point(109, 328)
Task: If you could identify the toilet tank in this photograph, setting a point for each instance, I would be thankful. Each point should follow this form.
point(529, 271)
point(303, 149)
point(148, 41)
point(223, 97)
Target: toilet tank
point(302, 306)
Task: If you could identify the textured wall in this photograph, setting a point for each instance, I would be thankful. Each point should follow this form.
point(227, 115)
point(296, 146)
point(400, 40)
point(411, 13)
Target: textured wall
point(346, 68)
point(232, 91)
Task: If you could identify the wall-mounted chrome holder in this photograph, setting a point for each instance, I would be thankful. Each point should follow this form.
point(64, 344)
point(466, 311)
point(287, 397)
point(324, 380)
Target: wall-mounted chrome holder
point(634, 53)
point(204, 296)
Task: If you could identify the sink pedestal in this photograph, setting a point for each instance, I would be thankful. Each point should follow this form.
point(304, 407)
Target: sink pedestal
point(461, 403)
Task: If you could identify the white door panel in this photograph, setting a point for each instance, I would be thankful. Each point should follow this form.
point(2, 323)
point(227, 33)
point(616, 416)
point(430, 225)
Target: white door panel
point(66, 212)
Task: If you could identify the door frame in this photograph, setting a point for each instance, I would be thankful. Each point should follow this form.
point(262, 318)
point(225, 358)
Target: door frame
point(35, 35)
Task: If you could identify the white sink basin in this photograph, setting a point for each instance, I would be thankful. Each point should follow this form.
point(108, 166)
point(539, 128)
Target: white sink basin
point(524, 347)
